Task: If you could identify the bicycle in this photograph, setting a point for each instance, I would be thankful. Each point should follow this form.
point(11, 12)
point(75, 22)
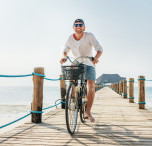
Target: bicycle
point(76, 98)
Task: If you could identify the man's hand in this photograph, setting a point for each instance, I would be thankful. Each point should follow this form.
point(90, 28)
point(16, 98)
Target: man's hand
point(95, 61)
point(63, 60)
point(96, 58)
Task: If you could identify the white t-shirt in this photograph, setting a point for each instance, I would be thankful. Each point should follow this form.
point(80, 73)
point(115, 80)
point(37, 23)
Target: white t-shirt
point(83, 47)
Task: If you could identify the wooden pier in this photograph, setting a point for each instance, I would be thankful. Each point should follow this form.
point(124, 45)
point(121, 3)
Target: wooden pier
point(118, 122)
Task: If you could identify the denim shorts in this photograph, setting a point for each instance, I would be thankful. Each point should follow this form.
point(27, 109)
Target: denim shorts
point(91, 73)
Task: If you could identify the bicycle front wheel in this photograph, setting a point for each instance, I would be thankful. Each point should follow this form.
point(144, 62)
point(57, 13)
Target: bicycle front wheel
point(71, 108)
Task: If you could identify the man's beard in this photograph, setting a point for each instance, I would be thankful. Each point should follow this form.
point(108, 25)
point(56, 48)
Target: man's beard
point(79, 31)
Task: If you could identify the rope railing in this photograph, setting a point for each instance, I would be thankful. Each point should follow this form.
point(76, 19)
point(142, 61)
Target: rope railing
point(53, 79)
point(38, 112)
point(15, 76)
point(41, 75)
point(122, 89)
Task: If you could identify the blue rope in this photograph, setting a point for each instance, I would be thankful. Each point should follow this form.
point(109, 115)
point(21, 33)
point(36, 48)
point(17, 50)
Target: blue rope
point(141, 79)
point(38, 74)
point(53, 79)
point(131, 97)
point(14, 121)
point(141, 102)
point(38, 112)
point(30, 75)
point(14, 76)
point(131, 81)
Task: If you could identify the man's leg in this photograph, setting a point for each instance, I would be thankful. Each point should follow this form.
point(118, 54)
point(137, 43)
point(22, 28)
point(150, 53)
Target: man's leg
point(90, 98)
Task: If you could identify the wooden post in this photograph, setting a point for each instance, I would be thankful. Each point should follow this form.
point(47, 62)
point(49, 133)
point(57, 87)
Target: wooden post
point(62, 91)
point(120, 88)
point(115, 87)
point(37, 102)
point(125, 88)
point(141, 92)
point(131, 90)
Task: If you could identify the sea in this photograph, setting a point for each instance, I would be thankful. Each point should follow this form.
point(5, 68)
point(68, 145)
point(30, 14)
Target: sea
point(15, 101)
point(148, 96)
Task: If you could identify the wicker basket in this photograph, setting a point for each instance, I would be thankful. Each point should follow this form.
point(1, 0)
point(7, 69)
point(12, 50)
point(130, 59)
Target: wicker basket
point(74, 72)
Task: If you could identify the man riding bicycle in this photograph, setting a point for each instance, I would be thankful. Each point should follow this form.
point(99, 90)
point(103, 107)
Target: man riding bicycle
point(80, 43)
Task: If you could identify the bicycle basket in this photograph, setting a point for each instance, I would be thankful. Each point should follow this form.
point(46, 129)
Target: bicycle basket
point(74, 72)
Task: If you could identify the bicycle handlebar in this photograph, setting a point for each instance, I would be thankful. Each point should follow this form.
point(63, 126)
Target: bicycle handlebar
point(67, 57)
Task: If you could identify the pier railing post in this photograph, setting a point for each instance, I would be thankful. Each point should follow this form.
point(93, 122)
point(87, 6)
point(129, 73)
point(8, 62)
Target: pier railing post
point(119, 88)
point(141, 92)
point(122, 91)
point(124, 88)
point(131, 90)
point(115, 87)
point(37, 102)
point(62, 91)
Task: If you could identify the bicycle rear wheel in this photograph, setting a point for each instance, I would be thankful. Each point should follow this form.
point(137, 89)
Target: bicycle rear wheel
point(83, 104)
point(71, 109)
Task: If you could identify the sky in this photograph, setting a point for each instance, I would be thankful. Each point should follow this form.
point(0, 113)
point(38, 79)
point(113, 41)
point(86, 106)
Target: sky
point(33, 34)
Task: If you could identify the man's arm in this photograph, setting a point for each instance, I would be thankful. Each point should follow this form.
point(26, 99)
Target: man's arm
point(63, 58)
point(98, 55)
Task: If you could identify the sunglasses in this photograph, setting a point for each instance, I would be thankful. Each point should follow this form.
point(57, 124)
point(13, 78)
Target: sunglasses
point(76, 25)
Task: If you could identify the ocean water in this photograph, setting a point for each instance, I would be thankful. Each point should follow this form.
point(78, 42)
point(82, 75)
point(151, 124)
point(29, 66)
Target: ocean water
point(15, 101)
point(22, 95)
point(148, 95)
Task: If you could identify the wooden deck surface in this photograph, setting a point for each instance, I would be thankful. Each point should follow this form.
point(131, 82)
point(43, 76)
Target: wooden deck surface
point(118, 122)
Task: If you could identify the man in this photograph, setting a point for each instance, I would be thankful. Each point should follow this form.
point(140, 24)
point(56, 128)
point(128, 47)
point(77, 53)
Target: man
point(80, 43)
